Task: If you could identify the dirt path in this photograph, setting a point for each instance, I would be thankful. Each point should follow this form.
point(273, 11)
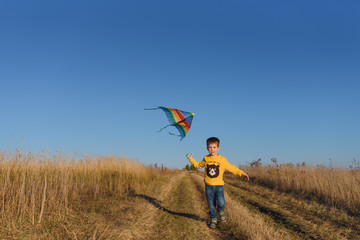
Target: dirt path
point(178, 210)
point(175, 208)
point(182, 214)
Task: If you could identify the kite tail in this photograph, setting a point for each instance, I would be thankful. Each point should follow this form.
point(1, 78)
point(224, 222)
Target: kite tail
point(181, 138)
point(157, 109)
point(164, 127)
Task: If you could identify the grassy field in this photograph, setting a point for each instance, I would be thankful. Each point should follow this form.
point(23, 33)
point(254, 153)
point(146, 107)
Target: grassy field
point(60, 196)
point(334, 187)
point(55, 196)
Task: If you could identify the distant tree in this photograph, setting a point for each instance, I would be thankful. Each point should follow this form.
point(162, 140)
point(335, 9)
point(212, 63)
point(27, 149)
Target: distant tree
point(187, 167)
point(193, 168)
point(256, 163)
point(190, 167)
point(274, 161)
point(355, 164)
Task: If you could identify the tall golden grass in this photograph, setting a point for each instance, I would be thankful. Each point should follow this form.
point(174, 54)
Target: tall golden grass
point(336, 187)
point(44, 185)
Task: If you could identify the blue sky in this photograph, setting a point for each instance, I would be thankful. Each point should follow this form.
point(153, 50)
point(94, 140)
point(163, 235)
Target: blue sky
point(269, 78)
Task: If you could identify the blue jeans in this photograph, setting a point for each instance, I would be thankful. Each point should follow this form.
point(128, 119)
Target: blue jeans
point(215, 197)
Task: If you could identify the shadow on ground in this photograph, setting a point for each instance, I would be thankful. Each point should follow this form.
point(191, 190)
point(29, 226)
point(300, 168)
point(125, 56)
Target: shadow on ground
point(156, 203)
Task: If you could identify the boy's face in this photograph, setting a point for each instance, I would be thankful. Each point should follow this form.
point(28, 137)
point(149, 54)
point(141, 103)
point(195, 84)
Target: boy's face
point(213, 148)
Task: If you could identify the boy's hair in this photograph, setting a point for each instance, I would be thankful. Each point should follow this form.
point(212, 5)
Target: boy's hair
point(213, 140)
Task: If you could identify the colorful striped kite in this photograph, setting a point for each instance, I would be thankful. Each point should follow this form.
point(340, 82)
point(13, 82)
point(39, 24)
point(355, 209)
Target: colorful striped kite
point(177, 118)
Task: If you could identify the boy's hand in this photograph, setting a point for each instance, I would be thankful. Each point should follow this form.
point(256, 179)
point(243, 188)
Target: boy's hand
point(247, 176)
point(189, 155)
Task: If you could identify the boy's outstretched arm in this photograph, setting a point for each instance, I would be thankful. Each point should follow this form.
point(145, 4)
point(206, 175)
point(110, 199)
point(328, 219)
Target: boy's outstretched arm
point(195, 163)
point(235, 170)
point(242, 173)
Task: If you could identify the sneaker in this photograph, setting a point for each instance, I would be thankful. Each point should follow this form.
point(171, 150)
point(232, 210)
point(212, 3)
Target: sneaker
point(222, 216)
point(213, 223)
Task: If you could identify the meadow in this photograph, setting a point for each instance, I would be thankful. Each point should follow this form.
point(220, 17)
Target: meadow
point(40, 192)
point(332, 186)
point(65, 196)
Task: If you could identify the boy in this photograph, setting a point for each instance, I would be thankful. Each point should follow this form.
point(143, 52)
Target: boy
point(215, 166)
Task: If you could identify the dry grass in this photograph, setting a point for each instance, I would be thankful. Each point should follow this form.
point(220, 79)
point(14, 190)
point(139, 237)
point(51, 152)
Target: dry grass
point(336, 187)
point(253, 226)
point(60, 196)
point(300, 217)
point(42, 190)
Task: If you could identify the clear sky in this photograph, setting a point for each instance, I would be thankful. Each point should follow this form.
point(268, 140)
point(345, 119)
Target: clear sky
point(269, 78)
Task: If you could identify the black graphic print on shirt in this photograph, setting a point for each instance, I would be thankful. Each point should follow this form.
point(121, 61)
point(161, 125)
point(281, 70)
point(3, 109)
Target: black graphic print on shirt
point(212, 171)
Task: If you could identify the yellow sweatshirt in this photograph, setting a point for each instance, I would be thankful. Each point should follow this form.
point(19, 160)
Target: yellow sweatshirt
point(214, 169)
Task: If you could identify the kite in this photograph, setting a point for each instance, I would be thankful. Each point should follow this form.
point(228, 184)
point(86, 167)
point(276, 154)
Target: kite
point(177, 118)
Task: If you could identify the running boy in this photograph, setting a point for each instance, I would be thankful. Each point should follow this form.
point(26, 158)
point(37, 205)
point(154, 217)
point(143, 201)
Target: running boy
point(215, 166)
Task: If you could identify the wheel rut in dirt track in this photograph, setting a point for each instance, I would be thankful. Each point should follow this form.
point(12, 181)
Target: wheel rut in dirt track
point(310, 210)
point(297, 216)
